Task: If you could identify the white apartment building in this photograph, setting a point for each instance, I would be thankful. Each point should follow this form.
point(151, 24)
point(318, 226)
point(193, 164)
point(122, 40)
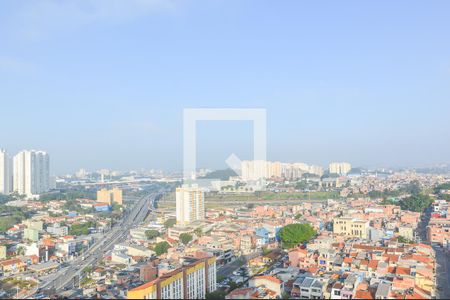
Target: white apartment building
point(296, 170)
point(258, 169)
point(341, 168)
point(5, 173)
point(254, 169)
point(31, 174)
point(190, 203)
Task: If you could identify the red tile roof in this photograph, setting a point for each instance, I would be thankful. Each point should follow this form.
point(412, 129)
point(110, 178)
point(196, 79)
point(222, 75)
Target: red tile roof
point(240, 292)
point(348, 260)
point(363, 295)
point(373, 264)
point(11, 261)
point(269, 278)
point(338, 285)
point(402, 271)
point(391, 257)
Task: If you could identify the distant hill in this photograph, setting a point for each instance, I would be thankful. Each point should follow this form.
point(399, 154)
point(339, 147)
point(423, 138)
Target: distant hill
point(220, 174)
point(355, 171)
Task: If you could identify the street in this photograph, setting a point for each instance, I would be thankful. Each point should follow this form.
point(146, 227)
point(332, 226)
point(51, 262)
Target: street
point(442, 259)
point(91, 257)
point(227, 269)
point(442, 274)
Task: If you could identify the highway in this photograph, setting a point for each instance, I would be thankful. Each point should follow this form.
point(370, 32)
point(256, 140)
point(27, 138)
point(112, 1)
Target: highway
point(66, 276)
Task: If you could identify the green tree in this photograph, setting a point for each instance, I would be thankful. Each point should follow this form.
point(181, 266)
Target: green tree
point(220, 174)
point(404, 240)
point(388, 202)
point(20, 250)
point(4, 198)
point(151, 234)
point(54, 215)
point(7, 222)
point(81, 228)
point(73, 205)
point(439, 188)
point(68, 195)
point(198, 232)
point(417, 203)
point(233, 285)
point(170, 223)
point(376, 194)
point(301, 185)
point(439, 191)
point(116, 206)
point(161, 248)
point(217, 295)
point(266, 251)
point(413, 188)
point(11, 216)
point(185, 238)
point(294, 234)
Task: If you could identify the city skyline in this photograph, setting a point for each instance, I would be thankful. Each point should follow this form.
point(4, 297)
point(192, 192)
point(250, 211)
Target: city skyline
point(375, 94)
point(7, 166)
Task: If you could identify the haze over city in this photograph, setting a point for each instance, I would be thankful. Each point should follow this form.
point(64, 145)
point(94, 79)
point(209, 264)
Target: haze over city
point(103, 84)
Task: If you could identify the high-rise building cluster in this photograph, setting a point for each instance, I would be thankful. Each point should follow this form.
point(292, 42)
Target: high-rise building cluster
point(27, 173)
point(114, 195)
point(5, 173)
point(258, 169)
point(190, 202)
point(341, 168)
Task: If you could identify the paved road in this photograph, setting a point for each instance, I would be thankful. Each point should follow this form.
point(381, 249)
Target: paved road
point(421, 234)
point(442, 259)
point(91, 257)
point(442, 274)
point(227, 269)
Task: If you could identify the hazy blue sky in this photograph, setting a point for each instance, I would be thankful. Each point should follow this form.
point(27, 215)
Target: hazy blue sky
point(102, 84)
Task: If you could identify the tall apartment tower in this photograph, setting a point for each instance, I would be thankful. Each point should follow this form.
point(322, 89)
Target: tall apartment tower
point(110, 196)
point(31, 172)
point(257, 169)
point(5, 173)
point(190, 204)
point(340, 168)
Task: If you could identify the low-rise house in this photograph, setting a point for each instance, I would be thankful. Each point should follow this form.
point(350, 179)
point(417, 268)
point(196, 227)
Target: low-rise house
point(252, 293)
point(268, 282)
point(336, 290)
point(383, 290)
point(14, 265)
point(307, 287)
